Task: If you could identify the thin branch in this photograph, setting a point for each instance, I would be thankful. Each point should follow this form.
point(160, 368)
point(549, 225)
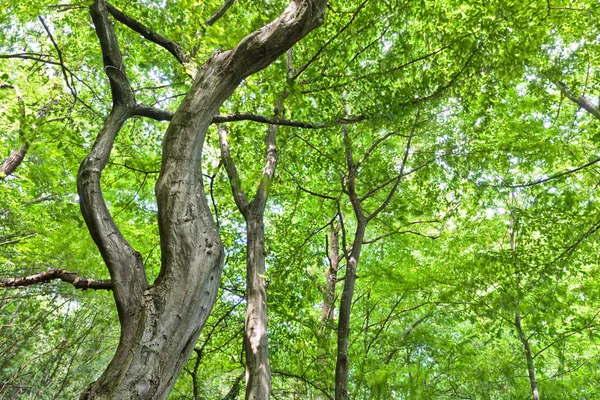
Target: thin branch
point(317, 55)
point(303, 379)
point(552, 177)
point(66, 276)
point(216, 16)
point(239, 195)
point(164, 42)
point(164, 115)
point(60, 57)
point(408, 332)
point(399, 232)
point(400, 175)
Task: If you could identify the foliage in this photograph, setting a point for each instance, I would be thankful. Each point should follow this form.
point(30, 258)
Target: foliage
point(496, 148)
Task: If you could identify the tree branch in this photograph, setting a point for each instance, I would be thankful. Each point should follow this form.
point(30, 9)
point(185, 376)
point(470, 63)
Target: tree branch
point(164, 115)
point(581, 100)
point(60, 58)
point(552, 177)
point(239, 195)
point(123, 262)
point(66, 276)
point(172, 47)
point(303, 379)
point(400, 175)
point(16, 157)
point(262, 193)
point(217, 16)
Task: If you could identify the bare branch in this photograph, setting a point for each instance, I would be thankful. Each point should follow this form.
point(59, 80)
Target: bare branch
point(400, 175)
point(164, 115)
point(262, 193)
point(334, 37)
point(303, 379)
point(66, 276)
point(60, 58)
point(399, 232)
point(552, 177)
point(408, 332)
point(239, 195)
point(168, 44)
point(217, 16)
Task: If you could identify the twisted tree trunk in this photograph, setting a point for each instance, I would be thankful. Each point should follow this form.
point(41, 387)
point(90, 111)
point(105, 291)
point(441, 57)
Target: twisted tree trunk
point(160, 324)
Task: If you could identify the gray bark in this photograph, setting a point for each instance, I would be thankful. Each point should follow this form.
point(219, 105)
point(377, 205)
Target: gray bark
point(160, 324)
point(258, 368)
point(256, 344)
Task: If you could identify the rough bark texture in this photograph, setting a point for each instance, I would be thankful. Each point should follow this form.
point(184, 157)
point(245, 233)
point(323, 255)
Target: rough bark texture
point(66, 276)
point(160, 324)
point(13, 161)
point(528, 355)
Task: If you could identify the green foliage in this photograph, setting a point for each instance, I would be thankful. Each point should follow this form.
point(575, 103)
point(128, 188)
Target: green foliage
point(495, 147)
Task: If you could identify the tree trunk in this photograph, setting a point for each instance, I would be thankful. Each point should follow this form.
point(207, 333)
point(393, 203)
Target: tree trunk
point(530, 368)
point(160, 324)
point(258, 369)
point(342, 362)
point(328, 307)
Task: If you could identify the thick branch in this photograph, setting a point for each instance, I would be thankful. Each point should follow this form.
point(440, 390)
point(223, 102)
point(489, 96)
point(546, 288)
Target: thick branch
point(171, 46)
point(581, 101)
point(66, 276)
point(262, 193)
point(124, 263)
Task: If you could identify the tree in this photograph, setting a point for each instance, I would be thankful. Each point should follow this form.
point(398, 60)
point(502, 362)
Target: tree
point(161, 323)
point(407, 132)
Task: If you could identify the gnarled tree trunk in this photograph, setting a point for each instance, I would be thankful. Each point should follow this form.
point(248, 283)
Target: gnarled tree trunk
point(160, 324)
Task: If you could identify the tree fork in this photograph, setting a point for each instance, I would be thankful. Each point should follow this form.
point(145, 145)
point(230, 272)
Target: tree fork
point(160, 324)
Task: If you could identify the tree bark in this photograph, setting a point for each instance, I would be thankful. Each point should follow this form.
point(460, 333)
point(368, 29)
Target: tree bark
point(256, 344)
point(328, 307)
point(16, 156)
point(13, 161)
point(529, 357)
point(343, 334)
point(160, 324)
point(258, 368)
